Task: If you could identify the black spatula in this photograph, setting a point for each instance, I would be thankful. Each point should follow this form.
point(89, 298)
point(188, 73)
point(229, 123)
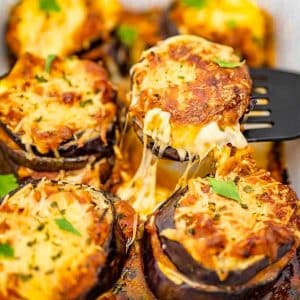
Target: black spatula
point(275, 113)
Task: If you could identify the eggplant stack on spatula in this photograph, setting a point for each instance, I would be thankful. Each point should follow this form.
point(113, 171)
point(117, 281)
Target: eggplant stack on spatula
point(56, 114)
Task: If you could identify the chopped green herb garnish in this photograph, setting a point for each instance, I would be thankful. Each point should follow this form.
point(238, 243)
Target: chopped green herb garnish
point(127, 34)
point(47, 236)
point(36, 268)
point(217, 217)
point(39, 119)
point(244, 206)
point(25, 277)
point(40, 78)
point(228, 64)
point(248, 189)
point(195, 3)
point(57, 255)
point(6, 251)
point(48, 62)
point(223, 188)
point(231, 23)
point(67, 80)
point(7, 184)
point(84, 103)
point(65, 225)
point(54, 204)
point(181, 77)
point(31, 243)
point(49, 6)
point(40, 227)
point(212, 206)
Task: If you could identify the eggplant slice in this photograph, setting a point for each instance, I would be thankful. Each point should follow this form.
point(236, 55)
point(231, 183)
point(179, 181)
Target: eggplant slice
point(167, 283)
point(71, 248)
point(40, 163)
point(188, 95)
point(212, 246)
point(59, 115)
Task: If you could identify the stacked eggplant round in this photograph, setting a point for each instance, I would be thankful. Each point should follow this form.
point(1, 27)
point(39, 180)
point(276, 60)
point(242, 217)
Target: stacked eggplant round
point(188, 95)
point(57, 114)
point(204, 244)
point(58, 241)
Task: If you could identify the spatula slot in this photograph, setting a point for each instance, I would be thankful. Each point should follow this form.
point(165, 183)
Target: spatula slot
point(251, 126)
point(260, 90)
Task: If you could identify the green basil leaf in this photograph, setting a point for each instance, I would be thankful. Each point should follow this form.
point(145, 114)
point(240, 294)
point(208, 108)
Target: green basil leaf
point(6, 251)
point(49, 6)
point(48, 62)
point(231, 23)
point(7, 184)
point(226, 189)
point(195, 3)
point(228, 64)
point(127, 34)
point(65, 225)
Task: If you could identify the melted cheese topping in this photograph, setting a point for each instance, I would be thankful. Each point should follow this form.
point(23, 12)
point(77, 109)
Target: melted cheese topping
point(146, 181)
point(190, 139)
point(49, 262)
point(182, 98)
point(73, 102)
point(140, 190)
point(226, 235)
point(73, 27)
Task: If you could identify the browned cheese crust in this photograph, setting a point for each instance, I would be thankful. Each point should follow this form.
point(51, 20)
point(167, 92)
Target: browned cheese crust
point(46, 109)
point(224, 234)
point(53, 260)
point(181, 77)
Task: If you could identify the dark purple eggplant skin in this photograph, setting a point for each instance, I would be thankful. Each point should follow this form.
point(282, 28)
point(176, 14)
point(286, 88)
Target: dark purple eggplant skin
point(116, 257)
point(185, 263)
point(39, 163)
point(6, 164)
point(167, 27)
point(169, 153)
point(120, 52)
point(165, 289)
point(93, 146)
point(115, 247)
